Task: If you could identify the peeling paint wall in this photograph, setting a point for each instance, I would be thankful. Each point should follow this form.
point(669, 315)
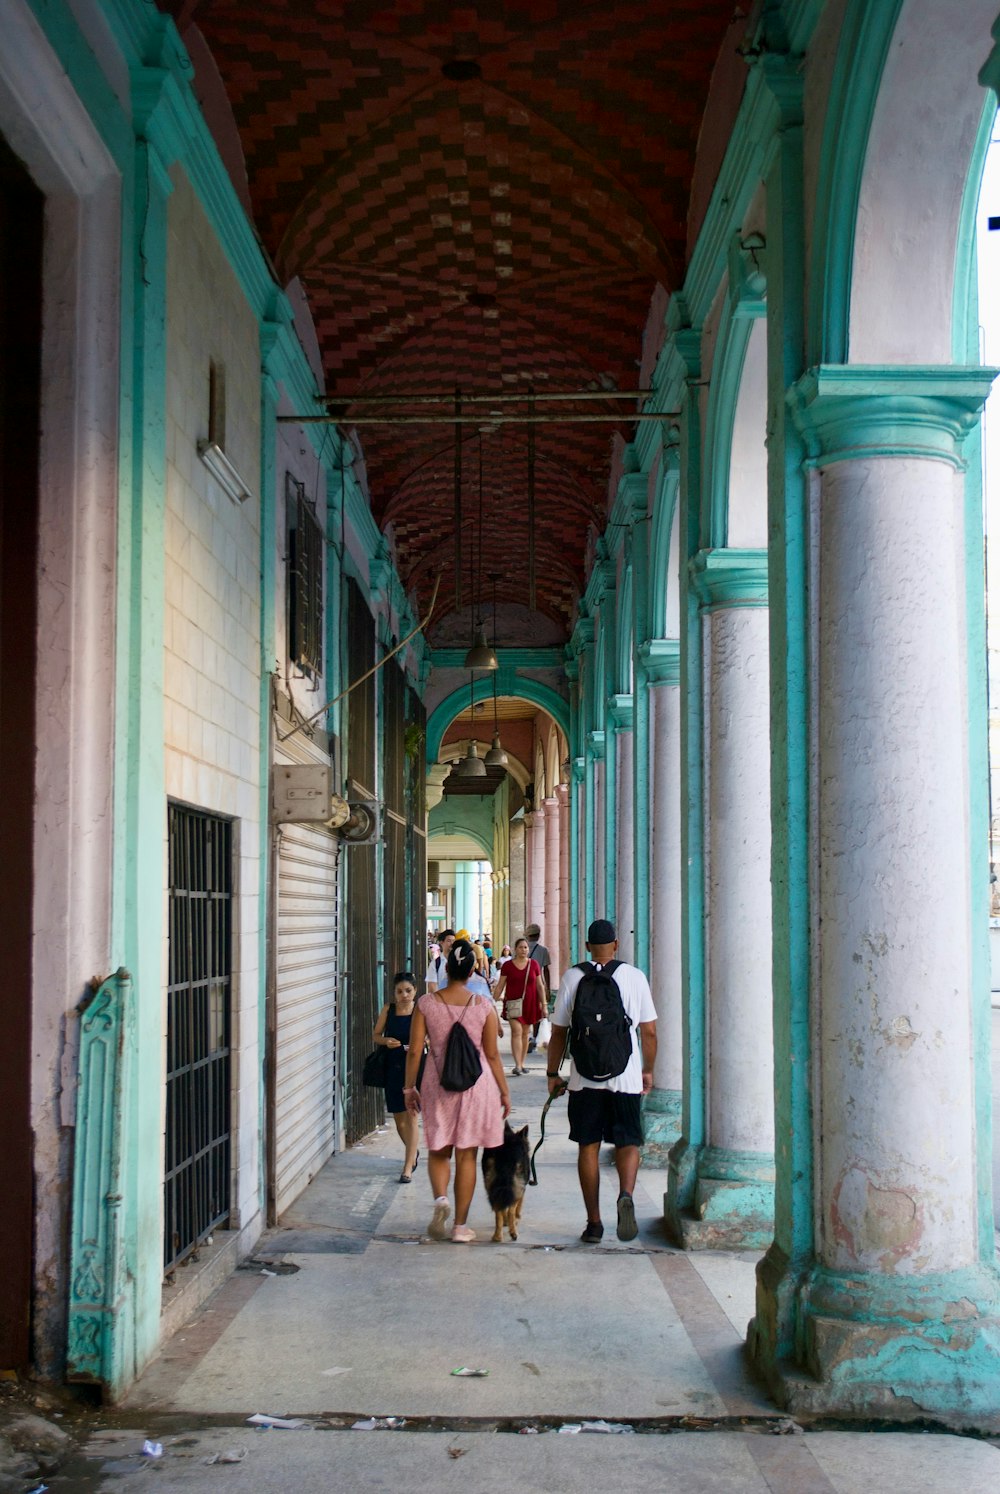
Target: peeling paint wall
point(212, 616)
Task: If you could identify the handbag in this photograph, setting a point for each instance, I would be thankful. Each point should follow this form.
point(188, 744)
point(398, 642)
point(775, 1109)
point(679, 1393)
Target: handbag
point(462, 1065)
point(373, 1071)
point(513, 1009)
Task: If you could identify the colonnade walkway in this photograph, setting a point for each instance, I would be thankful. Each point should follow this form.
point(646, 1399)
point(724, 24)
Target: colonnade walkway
point(372, 1318)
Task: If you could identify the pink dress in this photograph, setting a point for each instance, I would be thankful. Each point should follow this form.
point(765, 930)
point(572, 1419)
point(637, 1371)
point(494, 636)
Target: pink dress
point(472, 1117)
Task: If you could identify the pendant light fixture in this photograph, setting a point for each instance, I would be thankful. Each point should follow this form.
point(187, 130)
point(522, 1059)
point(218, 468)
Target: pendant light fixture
point(496, 757)
point(472, 765)
point(480, 655)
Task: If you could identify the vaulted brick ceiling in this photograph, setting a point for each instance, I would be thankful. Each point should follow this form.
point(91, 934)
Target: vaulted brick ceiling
point(492, 232)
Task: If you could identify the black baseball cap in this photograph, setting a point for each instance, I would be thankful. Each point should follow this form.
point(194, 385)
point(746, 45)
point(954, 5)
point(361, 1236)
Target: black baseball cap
point(601, 931)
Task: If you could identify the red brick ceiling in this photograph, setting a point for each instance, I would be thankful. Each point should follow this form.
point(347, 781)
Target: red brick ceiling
point(496, 233)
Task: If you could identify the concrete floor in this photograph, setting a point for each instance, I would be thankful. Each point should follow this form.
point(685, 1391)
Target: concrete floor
point(375, 1317)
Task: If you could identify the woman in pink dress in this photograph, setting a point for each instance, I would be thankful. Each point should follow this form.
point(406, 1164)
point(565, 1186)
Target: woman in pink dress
point(456, 1121)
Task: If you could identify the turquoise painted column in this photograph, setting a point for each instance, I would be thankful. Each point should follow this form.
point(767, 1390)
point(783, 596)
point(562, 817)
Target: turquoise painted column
point(595, 825)
point(659, 663)
point(573, 890)
point(140, 803)
point(730, 1201)
point(684, 1154)
point(621, 824)
point(899, 1309)
point(641, 801)
point(789, 1256)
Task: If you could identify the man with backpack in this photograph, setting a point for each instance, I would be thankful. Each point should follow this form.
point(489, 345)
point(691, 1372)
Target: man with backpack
point(606, 1008)
point(437, 971)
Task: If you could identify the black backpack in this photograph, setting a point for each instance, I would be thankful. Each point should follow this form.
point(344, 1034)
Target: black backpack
point(462, 1065)
point(600, 1031)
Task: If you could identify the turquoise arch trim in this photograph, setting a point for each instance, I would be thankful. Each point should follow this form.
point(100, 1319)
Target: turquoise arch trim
point(864, 45)
point(965, 300)
point(659, 561)
point(527, 689)
point(727, 378)
point(624, 636)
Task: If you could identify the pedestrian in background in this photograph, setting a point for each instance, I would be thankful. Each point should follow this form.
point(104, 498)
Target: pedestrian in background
point(392, 1032)
point(458, 1122)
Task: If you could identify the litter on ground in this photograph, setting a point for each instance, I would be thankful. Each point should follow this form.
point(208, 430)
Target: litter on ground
point(280, 1423)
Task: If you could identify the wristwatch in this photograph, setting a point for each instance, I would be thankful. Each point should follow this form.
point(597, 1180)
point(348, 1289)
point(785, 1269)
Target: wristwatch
point(550, 1075)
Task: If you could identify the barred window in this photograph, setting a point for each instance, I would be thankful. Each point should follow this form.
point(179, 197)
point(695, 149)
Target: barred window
point(305, 580)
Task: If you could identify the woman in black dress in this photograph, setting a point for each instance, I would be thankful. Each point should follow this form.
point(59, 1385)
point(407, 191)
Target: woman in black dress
point(392, 1031)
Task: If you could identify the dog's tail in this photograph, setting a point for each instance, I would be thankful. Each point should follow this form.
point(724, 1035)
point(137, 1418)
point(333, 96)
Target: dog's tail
point(503, 1196)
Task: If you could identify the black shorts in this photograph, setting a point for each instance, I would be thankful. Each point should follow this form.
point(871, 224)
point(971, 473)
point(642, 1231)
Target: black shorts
point(601, 1115)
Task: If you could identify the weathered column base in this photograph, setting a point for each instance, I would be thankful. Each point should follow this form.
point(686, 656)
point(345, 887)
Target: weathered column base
point(903, 1347)
point(719, 1199)
point(661, 1123)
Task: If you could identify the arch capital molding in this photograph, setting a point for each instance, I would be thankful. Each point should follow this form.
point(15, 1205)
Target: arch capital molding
point(849, 411)
point(620, 712)
point(660, 659)
point(729, 578)
point(595, 745)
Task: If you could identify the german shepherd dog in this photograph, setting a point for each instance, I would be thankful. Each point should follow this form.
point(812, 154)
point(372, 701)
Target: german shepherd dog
point(505, 1174)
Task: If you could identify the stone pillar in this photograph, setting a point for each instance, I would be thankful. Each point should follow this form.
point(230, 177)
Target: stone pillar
point(897, 1306)
point(722, 1183)
point(662, 1106)
point(553, 898)
point(565, 941)
point(515, 914)
point(535, 908)
point(623, 913)
point(529, 866)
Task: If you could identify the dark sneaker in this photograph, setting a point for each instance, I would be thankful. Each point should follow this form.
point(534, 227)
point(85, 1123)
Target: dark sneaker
point(627, 1227)
point(593, 1234)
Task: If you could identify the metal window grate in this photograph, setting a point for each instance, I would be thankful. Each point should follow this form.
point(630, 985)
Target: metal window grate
point(305, 580)
point(197, 1172)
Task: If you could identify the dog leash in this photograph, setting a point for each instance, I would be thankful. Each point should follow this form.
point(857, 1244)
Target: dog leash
point(555, 1095)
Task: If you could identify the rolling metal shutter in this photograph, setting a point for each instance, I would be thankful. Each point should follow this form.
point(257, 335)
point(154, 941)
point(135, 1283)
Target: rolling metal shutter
point(306, 1006)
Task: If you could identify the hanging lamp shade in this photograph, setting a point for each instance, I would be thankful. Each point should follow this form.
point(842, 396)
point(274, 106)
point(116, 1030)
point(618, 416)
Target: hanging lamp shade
point(496, 757)
point(481, 655)
point(472, 765)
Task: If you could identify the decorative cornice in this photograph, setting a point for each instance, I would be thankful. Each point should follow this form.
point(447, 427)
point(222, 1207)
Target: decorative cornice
point(620, 711)
point(660, 661)
point(594, 743)
point(729, 578)
point(849, 411)
point(509, 658)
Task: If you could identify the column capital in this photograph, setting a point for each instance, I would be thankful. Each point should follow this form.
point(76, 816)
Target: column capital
point(660, 659)
point(847, 411)
point(595, 744)
point(729, 578)
point(578, 768)
point(529, 820)
point(620, 711)
point(562, 794)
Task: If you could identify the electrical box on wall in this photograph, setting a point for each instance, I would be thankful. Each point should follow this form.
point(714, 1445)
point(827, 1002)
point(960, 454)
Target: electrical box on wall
point(301, 793)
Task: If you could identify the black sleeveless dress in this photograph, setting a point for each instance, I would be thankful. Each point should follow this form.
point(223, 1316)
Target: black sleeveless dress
point(396, 1026)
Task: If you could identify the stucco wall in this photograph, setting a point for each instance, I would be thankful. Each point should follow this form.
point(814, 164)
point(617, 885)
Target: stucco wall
point(212, 612)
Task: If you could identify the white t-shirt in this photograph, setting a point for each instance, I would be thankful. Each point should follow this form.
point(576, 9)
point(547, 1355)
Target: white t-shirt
point(637, 999)
point(437, 972)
